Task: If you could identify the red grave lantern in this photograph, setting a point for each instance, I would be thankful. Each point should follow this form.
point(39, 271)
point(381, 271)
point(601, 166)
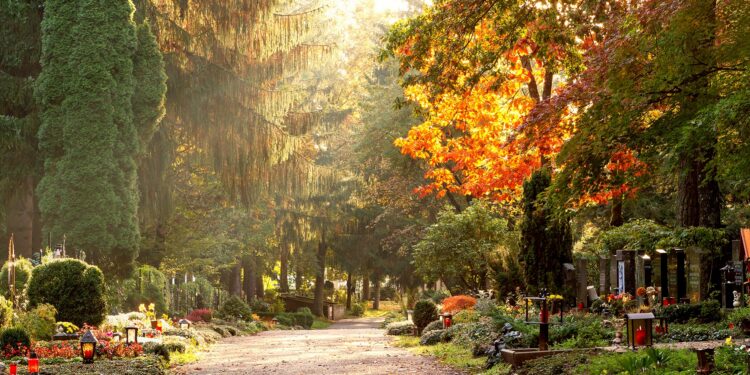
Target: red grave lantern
point(33, 364)
point(88, 344)
point(13, 368)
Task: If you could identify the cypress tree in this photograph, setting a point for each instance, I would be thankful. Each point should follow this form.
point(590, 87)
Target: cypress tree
point(88, 136)
point(546, 240)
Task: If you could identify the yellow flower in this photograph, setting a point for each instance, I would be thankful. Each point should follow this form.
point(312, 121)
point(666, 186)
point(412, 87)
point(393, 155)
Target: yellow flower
point(151, 307)
point(728, 341)
point(142, 308)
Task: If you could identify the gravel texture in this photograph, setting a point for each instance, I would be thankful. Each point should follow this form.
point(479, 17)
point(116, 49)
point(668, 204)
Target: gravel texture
point(356, 346)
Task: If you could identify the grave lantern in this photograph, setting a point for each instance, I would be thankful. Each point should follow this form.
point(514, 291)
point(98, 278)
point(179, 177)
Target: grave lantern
point(33, 364)
point(663, 327)
point(640, 329)
point(13, 368)
point(447, 320)
point(410, 315)
point(184, 324)
point(88, 346)
point(131, 335)
point(274, 322)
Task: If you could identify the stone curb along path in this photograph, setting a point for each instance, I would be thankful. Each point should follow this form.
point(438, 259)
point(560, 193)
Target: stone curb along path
point(355, 346)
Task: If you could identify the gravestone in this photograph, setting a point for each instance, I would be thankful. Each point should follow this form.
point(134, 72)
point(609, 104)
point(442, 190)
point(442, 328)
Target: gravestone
point(626, 271)
point(604, 275)
point(581, 282)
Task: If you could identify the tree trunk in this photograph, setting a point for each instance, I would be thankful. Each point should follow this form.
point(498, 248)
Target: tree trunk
point(320, 279)
point(298, 280)
point(366, 287)
point(616, 219)
point(688, 193)
point(349, 288)
point(248, 279)
point(376, 300)
point(284, 271)
point(20, 210)
point(236, 284)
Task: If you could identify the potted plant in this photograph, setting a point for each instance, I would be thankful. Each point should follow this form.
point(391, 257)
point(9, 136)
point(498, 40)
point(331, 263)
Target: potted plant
point(150, 313)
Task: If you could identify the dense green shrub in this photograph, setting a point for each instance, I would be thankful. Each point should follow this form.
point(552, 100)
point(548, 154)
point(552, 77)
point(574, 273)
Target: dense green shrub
point(466, 316)
point(6, 312)
point(358, 309)
point(705, 312)
point(74, 288)
point(694, 332)
point(235, 308)
point(286, 319)
point(424, 313)
point(23, 273)
point(431, 337)
point(14, 338)
point(649, 361)
point(433, 326)
point(158, 349)
point(175, 346)
point(581, 332)
point(404, 328)
point(38, 322)
point(304, 317)
point(259, 306)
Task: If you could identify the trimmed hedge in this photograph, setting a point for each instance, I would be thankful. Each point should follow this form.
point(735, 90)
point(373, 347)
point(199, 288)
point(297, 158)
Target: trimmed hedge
point(431, 337)
point(424, 313)
point(23, 273)
point(405, 328)
point(235, 308)
point(73, 287)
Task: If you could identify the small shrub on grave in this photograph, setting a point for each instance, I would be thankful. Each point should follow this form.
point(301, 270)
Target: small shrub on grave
point(404, 328)
point(74, 288)
point(259, 306)
point(458, 303)
point(358, 309)
point(431, 337)
point(235, 309)
point(424, 313)
point(158, 349)
point(200, 315)
point(14, 341)
point(286, 319)
point(304, 317)
point(435, 325)
point(23, 273)
point(6, 312)
point(466, 316)
point(38, 322)
point(705, 312)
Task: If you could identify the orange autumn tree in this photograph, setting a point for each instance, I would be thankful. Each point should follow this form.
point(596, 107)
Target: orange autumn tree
point(477, 69)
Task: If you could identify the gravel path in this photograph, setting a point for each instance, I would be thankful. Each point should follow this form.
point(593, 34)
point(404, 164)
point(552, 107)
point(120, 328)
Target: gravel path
point(356, 346)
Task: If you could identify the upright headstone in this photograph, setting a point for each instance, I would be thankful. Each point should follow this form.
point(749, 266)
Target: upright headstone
point(626, 271)
point(681, 274)
point(604, 275)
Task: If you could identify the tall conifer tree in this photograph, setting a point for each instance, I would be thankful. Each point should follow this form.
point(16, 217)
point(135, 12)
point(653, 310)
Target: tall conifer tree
point(88, 134)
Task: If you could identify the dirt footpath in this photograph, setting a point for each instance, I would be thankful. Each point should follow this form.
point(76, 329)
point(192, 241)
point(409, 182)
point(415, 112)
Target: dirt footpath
point(356, 346)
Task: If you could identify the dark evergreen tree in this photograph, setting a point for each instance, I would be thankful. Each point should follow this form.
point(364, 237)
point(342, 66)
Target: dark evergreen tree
point(546, 240)
point(89, 138)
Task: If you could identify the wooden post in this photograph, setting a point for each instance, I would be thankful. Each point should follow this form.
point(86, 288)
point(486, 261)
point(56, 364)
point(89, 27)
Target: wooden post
point(705, 361)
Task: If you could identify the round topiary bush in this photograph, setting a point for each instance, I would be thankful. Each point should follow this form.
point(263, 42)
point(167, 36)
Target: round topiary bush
point(74, 288)
point(424, 313)
point(235, 308)
point(23, 272)
point(433, 326)
point(431, 337)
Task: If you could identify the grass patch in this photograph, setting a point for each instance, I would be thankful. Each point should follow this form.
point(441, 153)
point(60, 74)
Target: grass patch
point(320, 324)
point(178, 359)
point(452, 355)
